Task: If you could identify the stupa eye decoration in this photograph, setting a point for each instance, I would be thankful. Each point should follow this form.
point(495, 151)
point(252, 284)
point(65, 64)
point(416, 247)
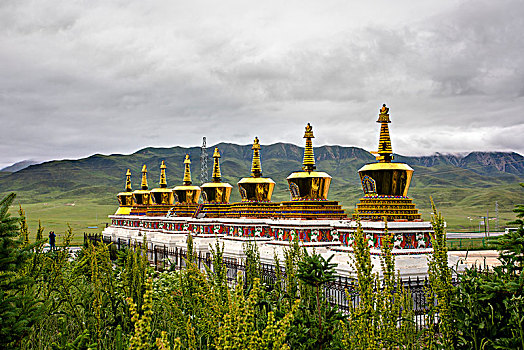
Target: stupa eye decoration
point(165, 198)
point(369, 185)
point(295, 192)
point(243, 193)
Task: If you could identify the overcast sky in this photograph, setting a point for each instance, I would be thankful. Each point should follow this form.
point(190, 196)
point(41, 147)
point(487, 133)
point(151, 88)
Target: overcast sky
point(85, 77)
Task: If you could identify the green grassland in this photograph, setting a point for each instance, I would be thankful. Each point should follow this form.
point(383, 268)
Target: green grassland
point(470, 243)
point(56, 215)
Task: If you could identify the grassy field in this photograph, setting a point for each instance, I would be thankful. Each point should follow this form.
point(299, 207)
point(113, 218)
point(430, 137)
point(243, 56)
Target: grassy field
point(460, 219)
point(83, 216)
point(470, 243)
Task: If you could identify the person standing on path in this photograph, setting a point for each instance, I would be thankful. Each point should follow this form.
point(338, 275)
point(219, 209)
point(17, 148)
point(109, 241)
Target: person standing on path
point(52, 238)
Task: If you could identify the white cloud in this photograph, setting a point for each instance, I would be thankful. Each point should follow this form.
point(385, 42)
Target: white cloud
point(85, 77)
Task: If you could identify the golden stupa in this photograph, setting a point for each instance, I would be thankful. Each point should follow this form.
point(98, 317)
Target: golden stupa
point(256, 188)
point(216, 194)
point(309, 189)
point(386, 184)
point(125, 199)
point(309, 184)
point(187, 195)
point(161, 197)
point(255, 191)
point(141, 197)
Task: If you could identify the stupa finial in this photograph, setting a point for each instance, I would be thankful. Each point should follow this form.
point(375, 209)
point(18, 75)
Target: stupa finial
point(309, 156)
point(128, 181)
point(385, 152)
point(163, 181)
point(256, 167)
point(217, 177)
point(383, 115)
point(144, 178)
point(187, 171)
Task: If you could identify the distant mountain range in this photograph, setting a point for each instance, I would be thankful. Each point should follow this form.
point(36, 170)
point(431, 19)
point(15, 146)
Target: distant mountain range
point(19, 166)
point(474, 180)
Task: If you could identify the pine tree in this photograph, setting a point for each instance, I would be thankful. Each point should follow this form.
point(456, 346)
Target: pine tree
point(511, 245)
point(18, 308)
point(39, 232)
point(24, 230)
point(488, 306)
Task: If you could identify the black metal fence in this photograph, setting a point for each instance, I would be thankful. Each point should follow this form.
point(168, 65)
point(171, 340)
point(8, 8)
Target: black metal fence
point(340, 292)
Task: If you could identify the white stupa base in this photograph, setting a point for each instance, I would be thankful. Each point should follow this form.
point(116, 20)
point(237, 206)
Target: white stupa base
point(273, 237)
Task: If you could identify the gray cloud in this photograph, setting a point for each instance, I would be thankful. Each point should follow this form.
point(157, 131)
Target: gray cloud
point(78, 78)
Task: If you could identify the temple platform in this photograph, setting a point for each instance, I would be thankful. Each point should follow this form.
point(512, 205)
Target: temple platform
point(389, 207)
point(183, 210)
point(311, 209)
point(248, 209)
point(412, 242)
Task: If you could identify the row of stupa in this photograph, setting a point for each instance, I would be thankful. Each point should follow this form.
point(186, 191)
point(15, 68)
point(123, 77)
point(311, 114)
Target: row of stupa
point(385, 185)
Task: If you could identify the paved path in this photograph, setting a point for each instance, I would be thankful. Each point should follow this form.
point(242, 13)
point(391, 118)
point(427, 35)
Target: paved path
point(477, 257)
point(456, 235)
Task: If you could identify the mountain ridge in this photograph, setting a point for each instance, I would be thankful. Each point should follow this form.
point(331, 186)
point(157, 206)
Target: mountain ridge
point(13, 168)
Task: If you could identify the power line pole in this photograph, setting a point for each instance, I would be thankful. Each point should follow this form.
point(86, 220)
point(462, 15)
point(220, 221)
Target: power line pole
point(487, 223)
point(203, 162)
point(497, 212)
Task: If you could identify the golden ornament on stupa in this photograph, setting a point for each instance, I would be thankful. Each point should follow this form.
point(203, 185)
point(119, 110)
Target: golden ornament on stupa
point(309, 184)
point(256, 188)
point(187, 193)
point(161, 197)
point(142, 197)
point(125, 199)
point(216, 191)
point(385, 184)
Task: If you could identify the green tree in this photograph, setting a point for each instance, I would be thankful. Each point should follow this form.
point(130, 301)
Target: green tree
point(440, 292)
point(252, 262)
point(511, 245)
point(488, 305)
point(39, 232)
point(316, 323)
point(18, 308)
point(24, 230)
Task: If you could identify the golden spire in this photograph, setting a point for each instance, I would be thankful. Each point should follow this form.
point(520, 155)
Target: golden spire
point(217, 177)
point(144, 177)
point(163, 181)
point(187, 171)
point(385, 152)
point(256, 167)
point(128, 181)
point(309, 156)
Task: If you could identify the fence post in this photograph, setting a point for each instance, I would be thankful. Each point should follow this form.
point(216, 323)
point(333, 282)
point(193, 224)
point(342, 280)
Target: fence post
point(155, 258)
